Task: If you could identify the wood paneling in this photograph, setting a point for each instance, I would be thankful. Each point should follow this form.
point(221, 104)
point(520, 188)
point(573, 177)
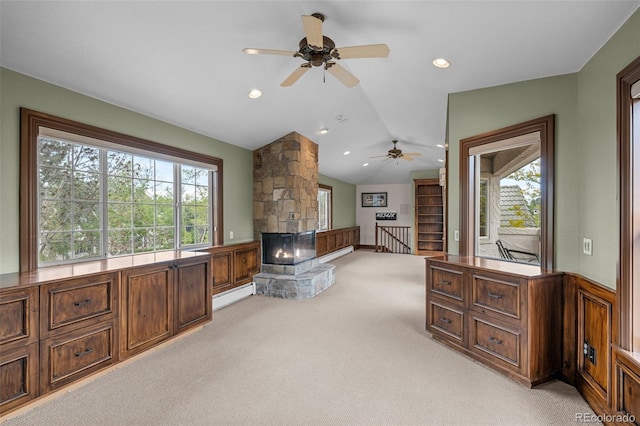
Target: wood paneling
point(193, 294)
point(234, 265)
point(336, 239)
point(18, 376)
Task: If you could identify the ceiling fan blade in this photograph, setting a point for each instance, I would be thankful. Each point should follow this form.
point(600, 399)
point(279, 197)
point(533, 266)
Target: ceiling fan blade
point(415, 154)
point(404, 157)
point(253, 51)
point(379, 156)
point(343, 75)
point(368, 51)
point(299, 72)
point(313, 30)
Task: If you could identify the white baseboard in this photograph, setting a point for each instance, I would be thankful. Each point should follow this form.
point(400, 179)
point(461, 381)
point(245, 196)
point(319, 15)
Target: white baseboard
point(234, 295)
point(336, 254)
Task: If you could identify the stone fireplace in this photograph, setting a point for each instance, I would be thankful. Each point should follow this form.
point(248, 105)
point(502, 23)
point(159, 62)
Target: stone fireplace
point(285, 217)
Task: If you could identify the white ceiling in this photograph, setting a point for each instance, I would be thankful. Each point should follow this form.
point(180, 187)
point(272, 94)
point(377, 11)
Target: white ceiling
point(182, 62)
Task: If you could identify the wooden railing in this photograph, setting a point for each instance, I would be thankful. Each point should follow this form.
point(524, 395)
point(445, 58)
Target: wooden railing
point(393, 239)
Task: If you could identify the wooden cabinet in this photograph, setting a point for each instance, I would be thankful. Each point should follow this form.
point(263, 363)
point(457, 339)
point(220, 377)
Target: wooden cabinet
point(234, 265)
point(429, 217)
point(626, 380)
point(161, 300)
point(62, 323)
point(18, 347)
point(78, 328)
point(504, 315)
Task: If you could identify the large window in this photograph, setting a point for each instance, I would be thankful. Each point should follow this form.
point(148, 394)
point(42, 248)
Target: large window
point(88, 193)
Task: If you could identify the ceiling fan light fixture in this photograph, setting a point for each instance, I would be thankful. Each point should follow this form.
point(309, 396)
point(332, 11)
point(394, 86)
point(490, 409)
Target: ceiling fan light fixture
point(255, 93)
point(441, 63)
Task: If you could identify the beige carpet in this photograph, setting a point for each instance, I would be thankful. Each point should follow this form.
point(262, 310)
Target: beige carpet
point(357, 354)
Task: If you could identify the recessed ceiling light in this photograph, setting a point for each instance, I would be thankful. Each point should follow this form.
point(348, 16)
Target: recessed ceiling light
point(323, 131)
point(441, 160)
point(255, 93)
point(347, 153)
point(365, 164)
point(440, 145)
point(441, 63)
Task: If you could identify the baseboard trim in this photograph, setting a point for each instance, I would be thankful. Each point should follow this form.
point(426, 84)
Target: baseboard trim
point(335, 254)
point(234, 295)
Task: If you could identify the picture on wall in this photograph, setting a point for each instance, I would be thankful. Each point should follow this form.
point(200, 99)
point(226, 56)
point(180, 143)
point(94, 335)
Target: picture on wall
point(374, 199)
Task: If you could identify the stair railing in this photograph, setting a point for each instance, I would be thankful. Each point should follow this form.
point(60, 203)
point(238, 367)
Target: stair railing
point(393, 239)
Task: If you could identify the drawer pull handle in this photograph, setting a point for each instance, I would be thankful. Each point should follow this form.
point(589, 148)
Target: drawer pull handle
point(494, 340)
point(445, 320)
point(495, 295)
point(84, 302)
point(443, 282)
point(85, 352)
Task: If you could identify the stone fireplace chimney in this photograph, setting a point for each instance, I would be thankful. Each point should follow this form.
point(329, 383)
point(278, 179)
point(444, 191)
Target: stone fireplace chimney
point(285, 210)
point(285, 186)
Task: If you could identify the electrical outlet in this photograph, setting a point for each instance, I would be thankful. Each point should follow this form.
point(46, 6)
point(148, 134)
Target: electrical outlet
point(456, 235)
point(231, 235)
point(587, 246)
point(592, 355)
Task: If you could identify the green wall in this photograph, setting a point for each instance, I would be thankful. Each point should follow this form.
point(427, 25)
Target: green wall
point(344, 206)
point(18, 90)
point(585, 187)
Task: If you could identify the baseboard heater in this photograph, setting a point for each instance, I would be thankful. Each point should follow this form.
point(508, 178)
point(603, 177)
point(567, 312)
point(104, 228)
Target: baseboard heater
point(335, 254)
point(234, 295)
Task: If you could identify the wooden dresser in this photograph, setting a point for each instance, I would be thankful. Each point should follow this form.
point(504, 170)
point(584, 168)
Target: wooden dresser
point(62, 323)
point(506, 315)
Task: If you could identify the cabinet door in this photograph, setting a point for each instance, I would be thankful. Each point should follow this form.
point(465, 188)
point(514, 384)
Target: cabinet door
point(221, 267)
point(18, 376)
point(193, 293)
point(147, 308)
point(246, 264)
point(19, 317)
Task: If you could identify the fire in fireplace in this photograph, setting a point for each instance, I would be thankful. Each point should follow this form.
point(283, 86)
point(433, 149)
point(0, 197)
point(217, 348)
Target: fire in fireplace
point(288, 249)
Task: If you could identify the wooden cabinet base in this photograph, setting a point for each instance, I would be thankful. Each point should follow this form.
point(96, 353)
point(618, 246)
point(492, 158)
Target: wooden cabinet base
point(18, 376)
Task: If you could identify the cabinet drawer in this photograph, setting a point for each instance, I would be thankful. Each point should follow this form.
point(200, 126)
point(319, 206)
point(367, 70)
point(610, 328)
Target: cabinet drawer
point(69, 356)
point(76, 301)
point(446, 320)
point(495, 340)
point(19, 316)
point(496, 295)
point(18, 376)
point(446, 282)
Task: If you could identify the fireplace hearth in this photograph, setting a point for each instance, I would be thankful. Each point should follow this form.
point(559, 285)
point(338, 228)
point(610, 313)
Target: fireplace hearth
point(289, 248)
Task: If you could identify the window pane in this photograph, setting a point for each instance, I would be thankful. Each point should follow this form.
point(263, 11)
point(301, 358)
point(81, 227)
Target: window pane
point(143, 215)
point(87, 244)
point(86, 158)
point(86, 186)
point(165, 238)
point(55, 153)
point(120, 215)
point(164, 193)
point(119, 189)
point(164, 215)
point(143, 240)
point(55, 183)
point(164, 171)
point(120, 242)
point(143, 167)
point(188, 175)
point(55, 246)
point(143, 190)
point(202, 177)
point(55, 215)
point(119, 163)
point(86, 216)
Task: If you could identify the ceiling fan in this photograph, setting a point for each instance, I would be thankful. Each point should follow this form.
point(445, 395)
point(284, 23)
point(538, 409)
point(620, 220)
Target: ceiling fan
point(396, 153)
point(318, 50)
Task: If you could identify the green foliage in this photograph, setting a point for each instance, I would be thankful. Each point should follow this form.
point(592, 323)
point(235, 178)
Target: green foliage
point(140, 202)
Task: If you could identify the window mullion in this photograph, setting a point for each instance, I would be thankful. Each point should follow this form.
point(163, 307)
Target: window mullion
point(104, 203)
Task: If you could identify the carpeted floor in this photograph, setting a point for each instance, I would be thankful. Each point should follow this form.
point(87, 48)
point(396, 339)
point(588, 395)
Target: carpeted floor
point(356, 354)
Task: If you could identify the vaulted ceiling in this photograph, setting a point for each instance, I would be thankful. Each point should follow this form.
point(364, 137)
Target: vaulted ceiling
point(182, 62)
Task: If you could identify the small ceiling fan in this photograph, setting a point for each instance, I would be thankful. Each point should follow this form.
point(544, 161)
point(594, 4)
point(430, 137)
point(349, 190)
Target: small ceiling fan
point(318, 50)
point(396, 153)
